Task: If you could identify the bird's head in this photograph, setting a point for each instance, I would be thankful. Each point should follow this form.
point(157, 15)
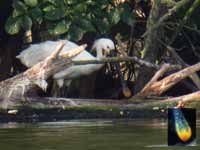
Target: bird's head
point(103, 47)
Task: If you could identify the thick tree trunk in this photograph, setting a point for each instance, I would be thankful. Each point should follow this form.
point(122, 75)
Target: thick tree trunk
point(160, 13)
point(153, 48)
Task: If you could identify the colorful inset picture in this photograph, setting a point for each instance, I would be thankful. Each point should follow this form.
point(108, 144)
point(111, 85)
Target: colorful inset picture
point(181, 126)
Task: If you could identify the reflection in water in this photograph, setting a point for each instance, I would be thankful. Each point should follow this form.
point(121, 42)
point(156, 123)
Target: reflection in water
point(86, 135)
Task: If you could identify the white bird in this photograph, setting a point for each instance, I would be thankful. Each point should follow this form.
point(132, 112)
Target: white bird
point(38, 52)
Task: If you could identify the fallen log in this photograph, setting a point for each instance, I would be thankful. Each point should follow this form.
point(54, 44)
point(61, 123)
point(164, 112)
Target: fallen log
point(135, 103)
point(54, 109)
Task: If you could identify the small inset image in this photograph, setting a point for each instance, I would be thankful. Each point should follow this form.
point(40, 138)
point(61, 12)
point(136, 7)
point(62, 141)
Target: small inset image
point(181, 127)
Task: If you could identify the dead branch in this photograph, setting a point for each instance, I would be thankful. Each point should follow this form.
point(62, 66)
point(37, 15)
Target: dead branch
point(118, 59)
point(194, 77)
point(19, 85)
point(158, 87)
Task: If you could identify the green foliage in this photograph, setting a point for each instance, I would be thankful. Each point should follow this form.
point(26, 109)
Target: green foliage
point(12, 25)
point(31, 3)
point(68, 18)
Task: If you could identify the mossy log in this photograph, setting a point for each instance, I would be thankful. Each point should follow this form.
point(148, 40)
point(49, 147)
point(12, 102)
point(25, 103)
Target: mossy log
point(54, 109)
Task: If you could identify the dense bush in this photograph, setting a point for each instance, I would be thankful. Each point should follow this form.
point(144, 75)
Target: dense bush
point(67, 18)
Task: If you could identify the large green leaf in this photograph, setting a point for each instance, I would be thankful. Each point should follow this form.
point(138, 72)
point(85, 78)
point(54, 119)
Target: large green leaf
point(54, 14)
point(85, 25)
point(36, 15)
point(114, 16)
point(19, 6)
point(26, 23)
point(49, 8)
point(31, 3)
point(69, 2)
point(61, 27)
point(128, 18)
point(102, 25)
point(12, 25)
point(80, 8)
point(126, 14)
point(75, 33)
point(17, 13)
point(51, 1)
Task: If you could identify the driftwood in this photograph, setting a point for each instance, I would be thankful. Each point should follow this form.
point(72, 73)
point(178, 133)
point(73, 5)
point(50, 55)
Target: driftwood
point(156, 88)
point(21, 84)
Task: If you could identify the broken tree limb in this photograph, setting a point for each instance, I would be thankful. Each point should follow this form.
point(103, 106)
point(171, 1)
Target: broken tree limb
point(117, 59)
point(19, 85)
point(164, 68)
point(194, 77)
point(158, 87)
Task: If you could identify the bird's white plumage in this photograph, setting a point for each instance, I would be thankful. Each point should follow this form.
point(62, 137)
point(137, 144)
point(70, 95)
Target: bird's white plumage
point(38, 52)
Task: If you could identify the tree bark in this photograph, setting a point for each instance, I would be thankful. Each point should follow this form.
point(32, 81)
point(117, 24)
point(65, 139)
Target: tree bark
point(156, 88)
point(18, 86)
point(152, 48)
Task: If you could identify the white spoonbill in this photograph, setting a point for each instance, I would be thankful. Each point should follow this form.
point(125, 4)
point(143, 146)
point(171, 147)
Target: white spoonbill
point(38, 52)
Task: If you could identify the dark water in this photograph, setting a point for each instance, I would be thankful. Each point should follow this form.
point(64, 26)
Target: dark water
point(88, 135)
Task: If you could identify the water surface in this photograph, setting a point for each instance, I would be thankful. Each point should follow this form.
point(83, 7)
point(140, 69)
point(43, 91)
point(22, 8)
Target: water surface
point(88, 135)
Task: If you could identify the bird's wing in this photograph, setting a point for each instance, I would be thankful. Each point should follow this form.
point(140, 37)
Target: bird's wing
point(84, 55)
point(78, 70)
point(38, 52)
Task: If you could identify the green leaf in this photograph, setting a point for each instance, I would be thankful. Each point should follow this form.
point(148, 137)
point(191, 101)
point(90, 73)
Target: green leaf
point(51, 1)
point(126, 15)
point(128, 18)
point(12, 25)
point(54, 14)
point(75, 33)
point(26, 23)
point(31, 3)
point(36, 15)
point(17, 13)
point(19, 6)
point(62, 27)
point(86, 25)
point(49, 8)
point(69, 2)
point(103, 25)
point(114, 16)
point(80, 8)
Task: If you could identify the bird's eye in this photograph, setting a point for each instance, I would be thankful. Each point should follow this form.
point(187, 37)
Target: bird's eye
point(108, 47)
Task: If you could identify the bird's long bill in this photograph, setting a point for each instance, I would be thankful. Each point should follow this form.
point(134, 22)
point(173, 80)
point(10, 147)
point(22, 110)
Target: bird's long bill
point(125, 90)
